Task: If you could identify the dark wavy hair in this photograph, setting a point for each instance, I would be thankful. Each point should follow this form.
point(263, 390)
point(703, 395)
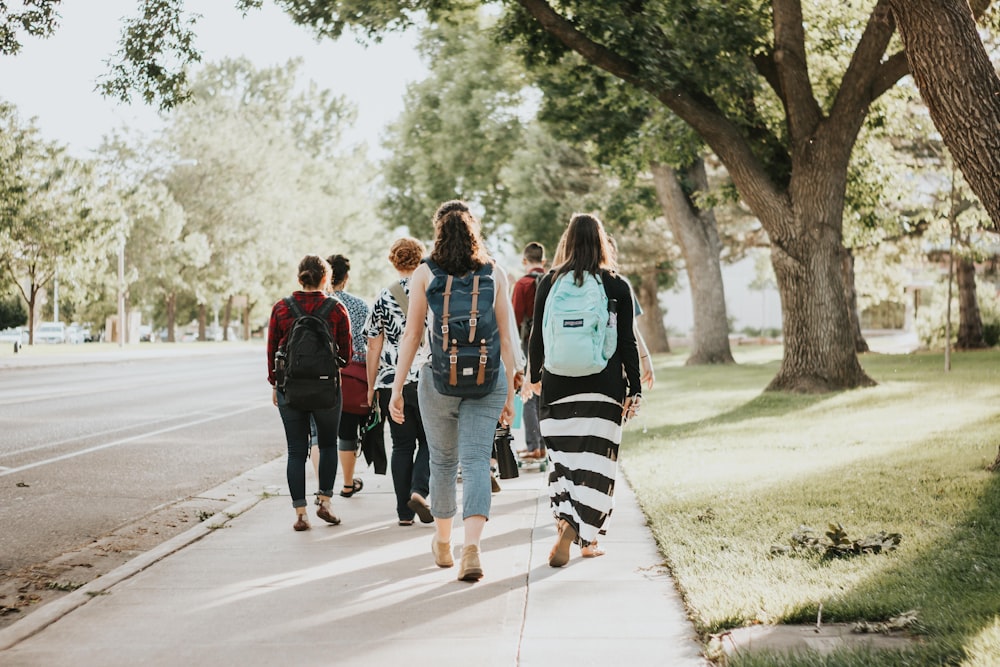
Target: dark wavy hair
point(312, 270)
point(584, 248)
point(340, 267)
point(458, 247)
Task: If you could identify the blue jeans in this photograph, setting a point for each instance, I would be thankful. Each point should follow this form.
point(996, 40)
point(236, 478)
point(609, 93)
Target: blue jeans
point(532, 431)
point(296, 423)
point(410, 462)
point(460, 431)
point(347, 439)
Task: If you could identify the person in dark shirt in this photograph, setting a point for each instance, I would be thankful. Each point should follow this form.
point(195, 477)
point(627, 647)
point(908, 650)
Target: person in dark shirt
point(314, 277)
point(581, 417)
point(523, 301)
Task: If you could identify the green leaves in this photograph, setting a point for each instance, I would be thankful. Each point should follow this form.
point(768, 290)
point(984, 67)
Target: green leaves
point(835, 543)
point(151, 60)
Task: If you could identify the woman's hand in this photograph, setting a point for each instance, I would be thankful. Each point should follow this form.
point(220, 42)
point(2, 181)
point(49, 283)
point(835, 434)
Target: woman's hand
point(534, 389)
point(371, 396)
point(274, 396)
point(507, 414)
point(648, 376)
point(396, 406)
point(630, 408)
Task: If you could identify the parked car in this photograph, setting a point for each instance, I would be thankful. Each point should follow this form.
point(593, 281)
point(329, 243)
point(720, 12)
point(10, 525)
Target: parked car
point(50, 332)
point(75, 334)
point(17, 335)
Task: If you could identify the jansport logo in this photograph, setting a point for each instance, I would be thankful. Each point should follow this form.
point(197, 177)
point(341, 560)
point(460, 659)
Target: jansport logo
point(573, 324)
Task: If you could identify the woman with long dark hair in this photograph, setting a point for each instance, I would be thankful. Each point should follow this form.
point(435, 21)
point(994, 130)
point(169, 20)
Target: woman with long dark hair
point(459, 429)
point(581, 416)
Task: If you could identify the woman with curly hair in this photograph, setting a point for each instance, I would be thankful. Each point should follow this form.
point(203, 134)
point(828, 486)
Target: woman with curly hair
point(410, 460)
point(459, 429)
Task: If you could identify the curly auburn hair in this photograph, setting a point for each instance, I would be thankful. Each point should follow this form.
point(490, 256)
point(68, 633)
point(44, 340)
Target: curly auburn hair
point(406, 253)
point(458, 247)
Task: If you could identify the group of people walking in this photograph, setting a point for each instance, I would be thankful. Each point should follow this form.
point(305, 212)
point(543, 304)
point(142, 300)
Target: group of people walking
point(446, 348)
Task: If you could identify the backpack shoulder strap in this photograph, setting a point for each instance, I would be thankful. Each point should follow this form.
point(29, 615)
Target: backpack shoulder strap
point(433, 266)
point(325, 308)
point(293, 305)
point(399, 294)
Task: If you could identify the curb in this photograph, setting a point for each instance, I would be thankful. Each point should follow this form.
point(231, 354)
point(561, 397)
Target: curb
point(53, 611)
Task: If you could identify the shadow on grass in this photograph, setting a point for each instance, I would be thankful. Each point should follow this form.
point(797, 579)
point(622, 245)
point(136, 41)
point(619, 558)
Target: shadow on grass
point(953, 586)
point(765, 405)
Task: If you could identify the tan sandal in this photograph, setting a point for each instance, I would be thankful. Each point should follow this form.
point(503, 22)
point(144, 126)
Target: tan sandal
point(559, 555)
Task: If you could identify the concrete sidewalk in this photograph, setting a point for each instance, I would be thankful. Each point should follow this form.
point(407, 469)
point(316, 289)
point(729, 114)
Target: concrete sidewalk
point(244, 588)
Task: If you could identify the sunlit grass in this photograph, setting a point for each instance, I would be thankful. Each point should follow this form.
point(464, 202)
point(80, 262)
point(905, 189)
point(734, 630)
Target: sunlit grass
point(724, 472)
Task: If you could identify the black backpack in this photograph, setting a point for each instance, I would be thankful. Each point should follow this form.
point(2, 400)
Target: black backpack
point(307, 368)
point(465, 343)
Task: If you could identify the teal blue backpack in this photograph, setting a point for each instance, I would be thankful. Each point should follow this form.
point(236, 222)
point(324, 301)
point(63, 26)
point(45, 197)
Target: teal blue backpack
point(579, 326)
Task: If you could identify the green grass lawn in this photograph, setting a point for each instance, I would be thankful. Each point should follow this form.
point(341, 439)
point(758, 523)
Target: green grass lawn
point(724, 471)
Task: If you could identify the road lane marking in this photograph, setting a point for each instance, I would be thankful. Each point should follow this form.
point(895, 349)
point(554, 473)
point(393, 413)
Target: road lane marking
point(117, 429)
point(124, 441)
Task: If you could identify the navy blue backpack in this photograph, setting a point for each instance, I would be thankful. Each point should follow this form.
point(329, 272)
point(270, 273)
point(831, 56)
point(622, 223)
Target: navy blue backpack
point(465, 341)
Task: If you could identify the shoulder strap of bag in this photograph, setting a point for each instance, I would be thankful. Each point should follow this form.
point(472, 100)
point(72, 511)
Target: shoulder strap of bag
point(325, 308)
point(399, 294)
point(293, 305)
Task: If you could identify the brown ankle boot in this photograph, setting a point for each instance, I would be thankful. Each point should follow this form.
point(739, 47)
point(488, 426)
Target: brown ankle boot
point(470, 569)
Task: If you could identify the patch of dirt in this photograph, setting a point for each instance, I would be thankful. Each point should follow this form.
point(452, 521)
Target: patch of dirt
point(26, 590)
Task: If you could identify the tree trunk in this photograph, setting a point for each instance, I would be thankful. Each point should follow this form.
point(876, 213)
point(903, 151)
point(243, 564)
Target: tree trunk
point(698, 238)
point(246, 320)
point(202, 321)
point(171, 317)
point(32, 301)
point(809, 267)
point(860, 344)
point(970, 327)
point(953, 72)
point(995, 466)
point(227, 316)
point(651, 323)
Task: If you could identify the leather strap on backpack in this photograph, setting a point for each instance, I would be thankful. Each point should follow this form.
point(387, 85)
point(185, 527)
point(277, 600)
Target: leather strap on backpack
point(453, 364)
point(481, 375)
point(444, 320)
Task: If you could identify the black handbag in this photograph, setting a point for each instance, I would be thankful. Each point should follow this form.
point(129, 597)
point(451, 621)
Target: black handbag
point(502, 452)
point(371, 434)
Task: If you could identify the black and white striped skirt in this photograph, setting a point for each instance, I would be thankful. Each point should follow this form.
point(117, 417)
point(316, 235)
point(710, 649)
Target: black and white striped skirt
point(582, 433)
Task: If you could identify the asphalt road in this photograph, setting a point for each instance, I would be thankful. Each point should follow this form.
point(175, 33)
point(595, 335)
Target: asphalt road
point(86, 448)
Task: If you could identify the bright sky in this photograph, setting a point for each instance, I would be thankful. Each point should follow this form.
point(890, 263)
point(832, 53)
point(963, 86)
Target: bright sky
point(53, 79)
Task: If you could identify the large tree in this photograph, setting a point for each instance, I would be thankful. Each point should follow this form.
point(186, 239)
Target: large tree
point(51, 222)
point(739, 76)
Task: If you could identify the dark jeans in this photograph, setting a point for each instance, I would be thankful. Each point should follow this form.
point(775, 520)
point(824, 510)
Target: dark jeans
point(532, 431)
point(410, 474)
point(296, 423)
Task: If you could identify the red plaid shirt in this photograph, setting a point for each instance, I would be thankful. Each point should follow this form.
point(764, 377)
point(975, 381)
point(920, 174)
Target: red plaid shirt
point(281, 323)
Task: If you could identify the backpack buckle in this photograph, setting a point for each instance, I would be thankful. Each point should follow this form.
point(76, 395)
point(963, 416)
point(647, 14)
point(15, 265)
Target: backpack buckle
point(444, 329)
point(473, 321)
point(453, 359)
point(482, 359)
